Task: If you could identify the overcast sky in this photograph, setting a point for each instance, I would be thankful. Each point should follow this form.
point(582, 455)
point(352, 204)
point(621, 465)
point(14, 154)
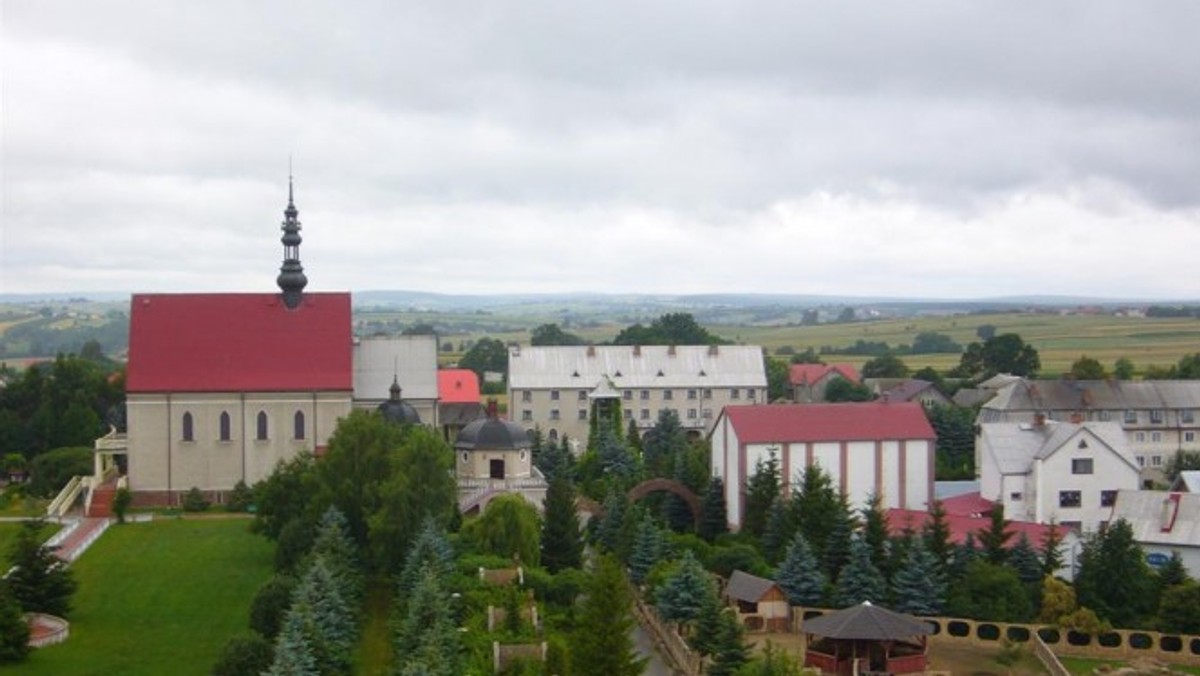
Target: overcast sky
point(930, 149)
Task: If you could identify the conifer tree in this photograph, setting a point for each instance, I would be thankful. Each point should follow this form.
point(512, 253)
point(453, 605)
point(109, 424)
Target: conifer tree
point(1114, 579)
point(681, 596)
point(678, 512)
point(430, 551)
point(731, 651)
point(663, 443)
point(800, 576)
point(919, 587)
point(860, 579)
point(606, 604)
point(761, 490)
point(993, 540)
point(706, 636)
point(329, 621)
point(39, 581)
point(778, 531)
point(562, 539)
point(293, 650)
point(648, 546)
point(1173, 573)
point(713, 512)
point(815, 508)
point(615, 459)
point(14, 631)
point(1051, 556)
point(838, 541)
point(962, 557)
point(875, 534)
point(270, 605)
point(334, 545)
point(936, 534)
point(1024, 559)
point(427, 632)
point(609, 532)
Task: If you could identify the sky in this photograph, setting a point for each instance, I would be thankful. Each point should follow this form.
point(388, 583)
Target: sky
point(902, 149)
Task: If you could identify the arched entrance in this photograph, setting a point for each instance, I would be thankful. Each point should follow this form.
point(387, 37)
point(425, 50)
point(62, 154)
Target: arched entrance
point(671, 486)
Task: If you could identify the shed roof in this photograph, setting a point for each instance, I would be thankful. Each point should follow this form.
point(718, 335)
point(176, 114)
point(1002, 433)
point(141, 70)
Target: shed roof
point(865, 421)
point(1159, 517)
point(746, 587)
point(867, 622)
point(235, 342)
point(630, 367)
point(961, 524)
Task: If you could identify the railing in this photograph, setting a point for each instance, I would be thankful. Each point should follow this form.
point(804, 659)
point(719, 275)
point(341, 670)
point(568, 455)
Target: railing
point(62, 503)
point(1047, 657)
point(87, 542)
point(683, 660)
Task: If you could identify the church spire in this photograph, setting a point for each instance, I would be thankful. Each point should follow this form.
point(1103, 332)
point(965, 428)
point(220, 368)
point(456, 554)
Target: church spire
point(291, 278)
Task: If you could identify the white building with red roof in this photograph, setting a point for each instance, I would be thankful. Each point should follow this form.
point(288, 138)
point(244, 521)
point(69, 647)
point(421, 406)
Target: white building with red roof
point(220, 387)
point(886, 449)
point(808, 381)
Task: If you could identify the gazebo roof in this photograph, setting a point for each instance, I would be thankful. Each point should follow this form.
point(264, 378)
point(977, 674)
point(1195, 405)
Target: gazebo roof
point(866, 622)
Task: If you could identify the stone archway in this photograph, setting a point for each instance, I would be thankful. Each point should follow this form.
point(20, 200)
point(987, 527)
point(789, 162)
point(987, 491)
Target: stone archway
point(652, 485)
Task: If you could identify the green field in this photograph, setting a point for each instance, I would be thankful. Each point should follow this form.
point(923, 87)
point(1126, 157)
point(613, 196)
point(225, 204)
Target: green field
point(8, 535)
point(158, 598)
point(1079, 665)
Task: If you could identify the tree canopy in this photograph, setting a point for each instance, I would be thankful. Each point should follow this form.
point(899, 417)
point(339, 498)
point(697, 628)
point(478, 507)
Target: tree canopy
point(676, 328)
point(552, 334)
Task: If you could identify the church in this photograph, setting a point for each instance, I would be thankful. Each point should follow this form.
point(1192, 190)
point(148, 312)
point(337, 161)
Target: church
point(221, 387)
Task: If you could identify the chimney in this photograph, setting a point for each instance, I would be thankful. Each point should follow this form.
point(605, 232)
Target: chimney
point(1039, 420)
point(714, 350)
point(591, 352)
point(637, 350)
point(493, 410)
point(1076, 417)
point(671, 350)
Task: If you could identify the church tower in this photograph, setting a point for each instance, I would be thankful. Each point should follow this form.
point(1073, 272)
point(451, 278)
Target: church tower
point(291, 278)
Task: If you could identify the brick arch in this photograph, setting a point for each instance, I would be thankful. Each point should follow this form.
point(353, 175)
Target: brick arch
point(652, 485)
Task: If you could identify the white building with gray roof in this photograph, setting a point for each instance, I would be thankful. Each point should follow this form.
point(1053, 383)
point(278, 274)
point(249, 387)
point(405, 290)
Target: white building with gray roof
point(1055, 472)
point(1163, 523)
point(555, 388)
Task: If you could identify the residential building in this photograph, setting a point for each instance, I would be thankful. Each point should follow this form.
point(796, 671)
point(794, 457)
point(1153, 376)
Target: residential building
point(558, 388)
point(873, 448)
point(908, 389)
point(1163, 524)
point(760, 603)
point(808, 381)
point(1159, 417)
point(1188, 481)
point(458, 400)
point(1055, 472)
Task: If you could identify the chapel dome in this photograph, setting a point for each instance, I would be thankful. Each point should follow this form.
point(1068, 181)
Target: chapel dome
point(492, 434)
point(398, 411)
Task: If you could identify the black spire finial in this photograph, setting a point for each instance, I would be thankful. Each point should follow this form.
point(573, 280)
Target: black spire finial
point(291, 278)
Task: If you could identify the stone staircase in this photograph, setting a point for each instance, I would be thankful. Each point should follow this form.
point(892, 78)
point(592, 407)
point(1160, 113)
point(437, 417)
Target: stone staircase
point(102, 500)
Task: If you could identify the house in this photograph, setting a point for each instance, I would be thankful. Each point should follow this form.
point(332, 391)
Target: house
point(409, 361)
point(1188, 481)
point(220, 387)
point(808, 381)
point(760, 603)
point(558, 388)
point(1163, 523)
point(1055, 472)
point(458, 400)
point(1158, 416)
point(960, 525)
point(873, 448)
point(908, 389)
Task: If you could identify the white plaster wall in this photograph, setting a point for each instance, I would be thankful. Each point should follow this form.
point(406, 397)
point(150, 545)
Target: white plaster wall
point(1110, 472)
point(891, 474)
point(860, 472)
point(918, 454)
point(828, 457)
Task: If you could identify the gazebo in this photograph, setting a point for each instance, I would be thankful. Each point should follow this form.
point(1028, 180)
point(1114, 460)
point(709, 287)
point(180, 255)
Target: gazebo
point(864, 639)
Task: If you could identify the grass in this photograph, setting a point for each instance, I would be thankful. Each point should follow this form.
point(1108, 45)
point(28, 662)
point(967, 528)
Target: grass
point(158, 597)
point(8, 535)
point(374, 654)
point(1083, 666)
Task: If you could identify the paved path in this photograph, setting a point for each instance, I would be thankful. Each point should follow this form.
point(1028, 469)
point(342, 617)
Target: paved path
point(645, 647)
point(80, 538)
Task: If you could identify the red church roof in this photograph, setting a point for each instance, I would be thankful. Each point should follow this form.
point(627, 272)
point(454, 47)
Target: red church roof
point(829, 422)
point(959, 526)
point(213, 342)
point(809, 374)
point(458, 386)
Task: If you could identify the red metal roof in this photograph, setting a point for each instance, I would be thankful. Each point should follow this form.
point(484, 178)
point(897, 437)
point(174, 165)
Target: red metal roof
point(215, 342)
point(967, 504)
point(458, 386)
point(960, 525)
point(808, 374)
point(829, 422)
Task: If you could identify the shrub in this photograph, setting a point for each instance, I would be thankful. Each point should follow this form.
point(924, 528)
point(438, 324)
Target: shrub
point(121, 503)
point(240, 498)
point(248, 655)
point(270, 604)
point(51, 470)
point(194, 501)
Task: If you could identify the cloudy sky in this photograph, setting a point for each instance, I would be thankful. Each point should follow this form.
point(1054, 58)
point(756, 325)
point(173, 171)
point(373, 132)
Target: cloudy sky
point(932, 149)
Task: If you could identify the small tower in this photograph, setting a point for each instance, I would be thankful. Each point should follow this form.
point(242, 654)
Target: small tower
point(291, 278)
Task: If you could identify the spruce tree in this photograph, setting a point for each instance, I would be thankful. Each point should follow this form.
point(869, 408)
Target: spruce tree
point(1114, 579)
point(562, 539)
point(293, 650)
point(937, 535)
point(838, 541)
point(334, 545)
point(875, 534)
point(330, 621)
point(731, 651)
point(615, 459)
point(993, 540)
point(663, 443)
point(706, 636)
point(606, 605)
point(648, 546)
point(429, 551)
point(761, 490)
point(962, 557)
point(713, 512)
point(815, 508)
point(1024, 559)
point(919, 587)
point(427, 633)
point(800, 576)
point(681, 596)
point(1173, 573)
point(1052, 558)
point(14, 631)
point(608, 533)
point(778, 531)
point(39, 581)
point(860, 579)
point(678, 512)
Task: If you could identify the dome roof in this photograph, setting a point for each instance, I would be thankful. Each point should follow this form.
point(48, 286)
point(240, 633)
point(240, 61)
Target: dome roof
point(398, 411)
point(492, 434)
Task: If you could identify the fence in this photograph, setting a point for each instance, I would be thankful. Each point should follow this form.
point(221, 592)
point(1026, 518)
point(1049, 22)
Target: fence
point(503, 655)
point(672, 645)
point(1047, 657)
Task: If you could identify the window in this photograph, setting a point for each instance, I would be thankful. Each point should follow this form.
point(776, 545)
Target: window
point(1081, 466)
point(691, 413)
point(553, 395)
point(1108, 498)
point(627, 395)
point(735, 393)
point(644, 414)
point(1130, 417)
point(1156, 436)
point(1141, 460)
point(1069, 498)
point(1015, 496)
point(261, 426)
point(691, 394)
point(223, 432)
point(751, 393)
point(526, 396)
point(1140, 436)
point(583, 414)
point(707, 393)
point(1156, 461)
point(187, 427)
point(1187, 415)
point(1189, 437)
point(582, 395)
point(629, 414)
point(553, 437)
point(1156, 417)
point(707, 413)
point(554, 414)
point(1105, 416)
point(644, 395)
point(526, 415)
point(298, 426)
point(668, 395)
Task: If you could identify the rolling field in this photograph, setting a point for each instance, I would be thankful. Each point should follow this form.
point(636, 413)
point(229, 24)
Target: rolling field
point(158, 598)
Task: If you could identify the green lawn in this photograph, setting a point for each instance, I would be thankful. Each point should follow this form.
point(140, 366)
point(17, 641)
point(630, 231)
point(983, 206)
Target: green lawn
point(157, 598)
point(8, 535)
point(1079, 665)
